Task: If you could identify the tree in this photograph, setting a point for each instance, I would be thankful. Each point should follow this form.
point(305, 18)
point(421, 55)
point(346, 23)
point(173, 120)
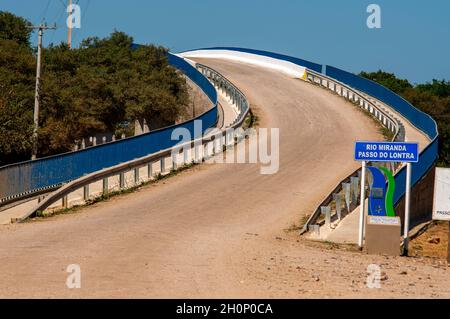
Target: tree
point(17, 69)
point(388, 80)
point(431, 97)
point(103, 84)
point(14, 28)
point(84, 91)
point(436, 87)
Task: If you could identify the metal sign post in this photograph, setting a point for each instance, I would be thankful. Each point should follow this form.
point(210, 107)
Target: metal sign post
point(362, 205)
point(407, 208)
point(386, 152)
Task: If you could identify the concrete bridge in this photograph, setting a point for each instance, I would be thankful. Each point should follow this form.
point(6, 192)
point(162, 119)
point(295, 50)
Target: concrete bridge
point(217, 230)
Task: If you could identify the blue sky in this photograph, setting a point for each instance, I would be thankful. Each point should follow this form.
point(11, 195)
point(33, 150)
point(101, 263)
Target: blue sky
point(414, 41)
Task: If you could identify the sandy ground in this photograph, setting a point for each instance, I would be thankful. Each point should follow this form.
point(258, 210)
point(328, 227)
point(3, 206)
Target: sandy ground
point(220, 230)
point(432, 241)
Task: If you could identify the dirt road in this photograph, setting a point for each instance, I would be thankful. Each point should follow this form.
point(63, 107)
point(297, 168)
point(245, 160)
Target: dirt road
point(219, 230)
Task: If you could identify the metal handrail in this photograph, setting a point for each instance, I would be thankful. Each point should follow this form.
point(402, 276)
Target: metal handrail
point(19, 181)
point(224, 83)
point(393, 120)
point(399, 135)
point(149, 159)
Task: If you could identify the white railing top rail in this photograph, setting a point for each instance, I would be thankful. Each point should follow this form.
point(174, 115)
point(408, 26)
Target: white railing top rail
point(398, 135)
point(365, 97)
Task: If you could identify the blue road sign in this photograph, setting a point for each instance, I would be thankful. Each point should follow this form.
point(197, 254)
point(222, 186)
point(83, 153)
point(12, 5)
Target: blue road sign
point(387, 152)
point(377, 194)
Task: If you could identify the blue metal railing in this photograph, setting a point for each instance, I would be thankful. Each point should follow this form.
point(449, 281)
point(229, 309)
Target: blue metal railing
point(31, 175)
point(419, 119)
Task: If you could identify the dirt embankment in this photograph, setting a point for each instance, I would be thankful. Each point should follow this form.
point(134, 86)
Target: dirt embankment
point(198, 102)
point(432, 242)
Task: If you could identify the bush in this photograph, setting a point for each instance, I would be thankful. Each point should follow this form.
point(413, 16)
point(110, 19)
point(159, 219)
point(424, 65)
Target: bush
point(91, 89)
point(432, 98)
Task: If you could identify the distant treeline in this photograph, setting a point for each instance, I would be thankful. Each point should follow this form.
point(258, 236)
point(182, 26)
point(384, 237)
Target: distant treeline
point(101, 86)
point(432, 98)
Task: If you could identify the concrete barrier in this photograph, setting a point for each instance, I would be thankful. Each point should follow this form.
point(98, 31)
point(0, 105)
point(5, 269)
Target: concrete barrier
point(286, 67)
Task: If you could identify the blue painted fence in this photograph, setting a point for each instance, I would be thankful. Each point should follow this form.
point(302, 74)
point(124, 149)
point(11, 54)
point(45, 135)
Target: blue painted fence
point(419, 119)
point(33, 175)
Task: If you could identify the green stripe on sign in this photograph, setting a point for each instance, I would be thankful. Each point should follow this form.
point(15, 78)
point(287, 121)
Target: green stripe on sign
point(389, 202)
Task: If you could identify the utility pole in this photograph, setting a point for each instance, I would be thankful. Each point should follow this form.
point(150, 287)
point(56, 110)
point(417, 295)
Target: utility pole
point(40, 29)
point(69, 26)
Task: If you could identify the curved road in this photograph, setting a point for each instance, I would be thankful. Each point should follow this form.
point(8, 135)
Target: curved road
point(212, 231)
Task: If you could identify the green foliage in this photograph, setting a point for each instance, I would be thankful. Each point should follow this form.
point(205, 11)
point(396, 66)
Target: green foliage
point(17, 72)
point(432, 98)
point(388, 80)
point(92, 89)
point(437, 88)
point(14, 28)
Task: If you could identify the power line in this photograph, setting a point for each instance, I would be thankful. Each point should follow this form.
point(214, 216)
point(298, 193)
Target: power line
point(59, 14)
point(57, 21)
point(63, 4)
point(87, 7)
point(44, 12)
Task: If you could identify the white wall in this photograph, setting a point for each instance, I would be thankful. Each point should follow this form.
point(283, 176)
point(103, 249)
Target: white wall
point(286, 67)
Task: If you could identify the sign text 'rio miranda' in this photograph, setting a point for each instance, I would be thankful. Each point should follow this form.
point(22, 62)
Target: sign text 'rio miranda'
point(387, 152)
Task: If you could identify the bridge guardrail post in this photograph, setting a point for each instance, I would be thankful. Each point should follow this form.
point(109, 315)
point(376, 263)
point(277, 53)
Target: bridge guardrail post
point(327, 212)
point(346, 188)
point(175, 160)
point(86, 192)
point(185, 155)
point(136, 176)
point(65, 201)
point(162, 163)
point(196, 153)
point(105, 186)
point(355, 185)
point(338, 205)
point(150, 170)
point(121, 180)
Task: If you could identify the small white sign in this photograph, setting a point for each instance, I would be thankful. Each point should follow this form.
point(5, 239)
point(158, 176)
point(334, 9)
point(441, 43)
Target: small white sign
point(441, 198)
point(383, 220)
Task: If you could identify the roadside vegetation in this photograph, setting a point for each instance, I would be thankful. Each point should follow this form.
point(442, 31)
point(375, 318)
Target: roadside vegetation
point(101, 86)
point(432, 98)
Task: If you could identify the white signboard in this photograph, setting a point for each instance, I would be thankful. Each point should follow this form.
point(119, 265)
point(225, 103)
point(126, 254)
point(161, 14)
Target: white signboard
point(441, 201)
point(383, 220)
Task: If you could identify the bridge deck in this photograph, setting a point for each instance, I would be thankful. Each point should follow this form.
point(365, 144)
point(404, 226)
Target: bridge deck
point(215, 230)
